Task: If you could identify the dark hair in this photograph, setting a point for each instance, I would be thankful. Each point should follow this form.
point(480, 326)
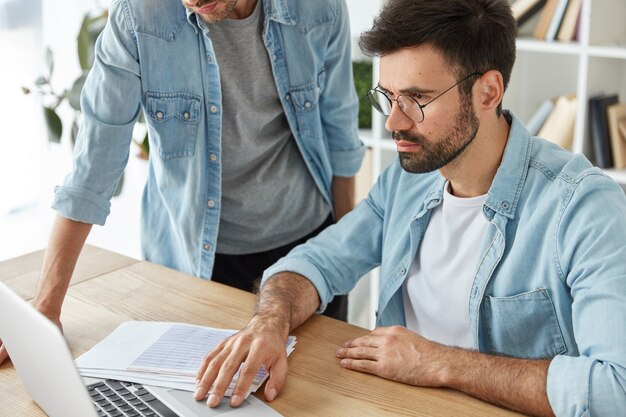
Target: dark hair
point(471, 35)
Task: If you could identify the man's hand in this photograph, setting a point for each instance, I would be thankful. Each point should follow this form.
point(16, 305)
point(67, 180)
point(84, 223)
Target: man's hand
point(398, 354)
point(259, 344)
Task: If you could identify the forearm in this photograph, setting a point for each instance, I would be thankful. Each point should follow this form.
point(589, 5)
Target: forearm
point(286, 301)
point(517, 384)
point(343, 195)
point(66, 241)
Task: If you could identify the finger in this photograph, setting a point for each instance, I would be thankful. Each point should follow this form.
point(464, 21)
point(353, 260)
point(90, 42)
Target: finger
point(367, 341)
point(207, 360)
point(360, 365)
point(359, 352)
point(227, 371)
point(213, 364)
point(278, 376)
point(3, 353)
point(247, 372)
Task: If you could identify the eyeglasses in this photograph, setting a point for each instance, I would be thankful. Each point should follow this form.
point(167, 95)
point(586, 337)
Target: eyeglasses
point(408, 103)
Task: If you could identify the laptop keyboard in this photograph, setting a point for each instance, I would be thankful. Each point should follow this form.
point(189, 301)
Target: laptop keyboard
point(124, 399)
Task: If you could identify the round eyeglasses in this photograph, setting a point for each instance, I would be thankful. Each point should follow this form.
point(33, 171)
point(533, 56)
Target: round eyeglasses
point(408, 103)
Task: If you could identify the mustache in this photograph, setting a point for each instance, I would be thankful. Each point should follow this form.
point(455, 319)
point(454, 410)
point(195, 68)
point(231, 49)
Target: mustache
point(199, 3)
point(405, 136)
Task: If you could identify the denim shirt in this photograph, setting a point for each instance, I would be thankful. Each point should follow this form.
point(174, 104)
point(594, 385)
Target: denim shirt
point(155, 56)
point(551, 278)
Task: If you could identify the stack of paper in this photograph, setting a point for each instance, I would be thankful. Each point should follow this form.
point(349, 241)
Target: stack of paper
point(158, 353)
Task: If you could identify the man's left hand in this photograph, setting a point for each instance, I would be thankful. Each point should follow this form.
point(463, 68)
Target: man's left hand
point(398, 354)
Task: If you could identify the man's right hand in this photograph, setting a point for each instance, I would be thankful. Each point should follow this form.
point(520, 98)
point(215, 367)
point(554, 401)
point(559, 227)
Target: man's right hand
point(261, 343)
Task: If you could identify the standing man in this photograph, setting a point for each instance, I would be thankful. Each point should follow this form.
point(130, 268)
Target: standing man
point(252, 118)
point(501, 255)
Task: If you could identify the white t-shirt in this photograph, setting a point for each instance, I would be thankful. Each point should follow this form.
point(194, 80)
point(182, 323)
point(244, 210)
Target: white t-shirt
point(437, 289)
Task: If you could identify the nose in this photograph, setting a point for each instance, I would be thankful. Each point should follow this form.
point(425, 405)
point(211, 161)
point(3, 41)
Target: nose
point(397, 120)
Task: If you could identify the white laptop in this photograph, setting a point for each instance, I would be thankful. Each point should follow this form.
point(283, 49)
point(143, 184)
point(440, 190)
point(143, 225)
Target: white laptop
point(44, 363)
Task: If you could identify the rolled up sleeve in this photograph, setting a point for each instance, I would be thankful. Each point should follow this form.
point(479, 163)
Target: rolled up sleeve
point(110, 103)
point(591, 247)
point(340, 105)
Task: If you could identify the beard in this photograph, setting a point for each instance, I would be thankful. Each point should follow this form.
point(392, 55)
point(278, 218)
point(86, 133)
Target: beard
point(215, 17)
point(436, 155)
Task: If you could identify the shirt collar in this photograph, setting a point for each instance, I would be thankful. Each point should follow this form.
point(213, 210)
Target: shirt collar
point(507, 185)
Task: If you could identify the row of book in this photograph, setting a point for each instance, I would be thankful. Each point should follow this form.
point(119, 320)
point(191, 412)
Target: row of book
point(555, 120)
point(557, 19)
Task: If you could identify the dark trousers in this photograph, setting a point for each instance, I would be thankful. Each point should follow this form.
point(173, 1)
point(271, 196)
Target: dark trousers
point(245, 271)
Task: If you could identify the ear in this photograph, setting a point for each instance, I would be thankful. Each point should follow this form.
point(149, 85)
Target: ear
point(490, 90)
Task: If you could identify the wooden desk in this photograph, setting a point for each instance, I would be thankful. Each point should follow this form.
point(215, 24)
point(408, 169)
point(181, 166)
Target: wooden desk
point(109, 288)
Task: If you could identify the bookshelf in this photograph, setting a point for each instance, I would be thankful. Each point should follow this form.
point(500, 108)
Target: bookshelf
point(595, 63)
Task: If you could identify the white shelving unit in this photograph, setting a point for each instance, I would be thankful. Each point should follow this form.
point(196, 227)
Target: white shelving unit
point(594, 63)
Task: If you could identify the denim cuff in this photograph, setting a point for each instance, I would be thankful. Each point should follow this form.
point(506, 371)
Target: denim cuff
point(306, 269)
point(346, 163)
point(81, 205)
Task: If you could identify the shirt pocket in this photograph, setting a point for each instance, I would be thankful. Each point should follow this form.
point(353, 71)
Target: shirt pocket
point(523, 325)
point(173, 120)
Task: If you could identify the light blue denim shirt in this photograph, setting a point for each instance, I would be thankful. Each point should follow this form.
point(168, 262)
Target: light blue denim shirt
point(156, 56)
point(551, 280)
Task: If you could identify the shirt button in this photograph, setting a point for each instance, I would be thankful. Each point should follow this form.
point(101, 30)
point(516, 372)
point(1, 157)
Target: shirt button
point(213, 157)
point(288, 97)
point(505, 205)
point(402, 271)
point(206, 247)
point(159, 115)
point(308, 104)
point(186, 115)
point(210, 203)
point(213, 109)
point(209, 59)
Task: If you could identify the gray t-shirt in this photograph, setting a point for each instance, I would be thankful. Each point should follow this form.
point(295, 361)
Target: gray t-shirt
point(269, 198)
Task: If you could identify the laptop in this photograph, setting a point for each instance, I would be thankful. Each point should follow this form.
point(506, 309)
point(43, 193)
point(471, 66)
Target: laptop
point(44, 363)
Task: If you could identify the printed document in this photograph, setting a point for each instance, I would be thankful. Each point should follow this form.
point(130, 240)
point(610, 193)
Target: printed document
point(159, 353)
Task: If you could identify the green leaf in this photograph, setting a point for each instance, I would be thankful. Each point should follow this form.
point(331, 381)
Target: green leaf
point(363, 83)
point(53, 122)
point(74, 93)
point(120, 185)
point(89, 31)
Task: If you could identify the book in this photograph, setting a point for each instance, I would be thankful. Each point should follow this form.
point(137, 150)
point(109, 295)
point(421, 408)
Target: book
point(525, 9)
point(569, 27)
point(544, 19)
point(622, 128)
point(559, 126)
point(557, 18)
point(540, 116)
point(615, 115)
point(598, 128)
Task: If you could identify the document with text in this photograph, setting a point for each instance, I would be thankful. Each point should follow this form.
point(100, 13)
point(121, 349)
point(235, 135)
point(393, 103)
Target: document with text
point(159, 353)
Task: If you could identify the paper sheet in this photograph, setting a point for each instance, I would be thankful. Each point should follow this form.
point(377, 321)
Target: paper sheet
point(158, 353)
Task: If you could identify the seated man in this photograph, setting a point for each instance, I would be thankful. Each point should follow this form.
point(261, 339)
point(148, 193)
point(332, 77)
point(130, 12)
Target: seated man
point(501, 255)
